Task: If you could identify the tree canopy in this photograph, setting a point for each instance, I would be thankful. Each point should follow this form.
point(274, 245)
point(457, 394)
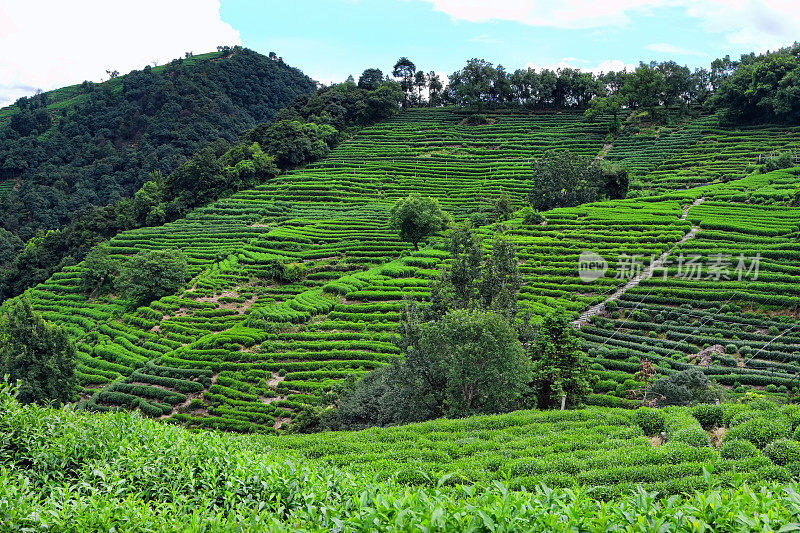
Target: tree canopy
point(416, 217)
point(39, 355)
point(151, 274)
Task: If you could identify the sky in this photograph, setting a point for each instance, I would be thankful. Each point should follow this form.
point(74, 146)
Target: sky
point(50, 44)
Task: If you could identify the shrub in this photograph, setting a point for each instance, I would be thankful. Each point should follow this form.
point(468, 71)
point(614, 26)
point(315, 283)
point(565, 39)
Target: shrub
point(760, 431)
point(531, 216)
point(742, 417)
point(682, 388)
point(650, 420)
point(709, 415)
point(783, 451)
point(478, 219)
point(692, 436)
point(477, 120)
point(737, 449)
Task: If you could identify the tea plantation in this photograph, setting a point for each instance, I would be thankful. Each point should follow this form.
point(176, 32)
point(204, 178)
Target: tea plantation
point(78, 472)
point(236, 350)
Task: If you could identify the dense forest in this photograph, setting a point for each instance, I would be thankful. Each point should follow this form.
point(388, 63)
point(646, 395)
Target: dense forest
point(300, 133)
point(67, 159)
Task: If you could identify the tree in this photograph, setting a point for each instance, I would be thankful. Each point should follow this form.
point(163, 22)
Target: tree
point(644, 87)
point(501, 280)
point(485, 368)
point(560, 367)
point(10, 246)
point(38, 354)
point(468, 362)
point(404, 69)
point(152, 274)
point(416, 217)
point(370, 79)
point(606, 105)
point(503, 207)
point(420, 82)
point(563, 179)
point(99, 268)
point(434, 89)
point(293, 143)
point(761, 89)
point(473, 84)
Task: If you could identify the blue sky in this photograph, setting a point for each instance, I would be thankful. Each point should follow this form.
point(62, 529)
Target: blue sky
point(61, 43)
point(330, 39)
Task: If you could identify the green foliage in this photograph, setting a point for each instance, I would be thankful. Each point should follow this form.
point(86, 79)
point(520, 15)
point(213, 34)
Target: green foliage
point(416, 217)
point(149, 275)
point(692, 436)
point(118, 132)
point(709, 415)
point(760, 430)
point(650, 420)
point(560, 367)
point(99, 269)
point(563, 179)
point(738, 449)
point(37, 355)
point(76, 470)
point(293, 142)
point(467, 362)
point(531, 216)
point(682, 388)
point(783, 451)
point(761, 88)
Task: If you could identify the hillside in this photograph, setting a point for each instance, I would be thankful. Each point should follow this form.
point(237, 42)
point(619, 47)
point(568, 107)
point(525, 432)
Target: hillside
point(236, 350)
point(89, 145)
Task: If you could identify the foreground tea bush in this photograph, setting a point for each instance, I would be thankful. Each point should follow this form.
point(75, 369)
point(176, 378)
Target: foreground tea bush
point(62, 471)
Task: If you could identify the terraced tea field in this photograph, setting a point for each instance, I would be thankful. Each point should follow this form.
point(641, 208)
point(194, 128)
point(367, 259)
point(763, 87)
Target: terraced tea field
point(237, 350)
point(699, 152)
point(5, 187)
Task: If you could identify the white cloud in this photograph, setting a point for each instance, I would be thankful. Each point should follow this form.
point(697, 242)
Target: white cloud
point(609, 65)
point(667, 48)
point(756, 24)
point(55, 43)
point(569, 14)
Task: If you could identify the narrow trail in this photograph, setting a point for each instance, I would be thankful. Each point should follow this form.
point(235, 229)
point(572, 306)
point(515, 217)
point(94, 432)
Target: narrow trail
point(646, 272)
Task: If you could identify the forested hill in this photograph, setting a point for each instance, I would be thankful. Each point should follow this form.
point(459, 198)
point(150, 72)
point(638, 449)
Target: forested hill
point(66, 151)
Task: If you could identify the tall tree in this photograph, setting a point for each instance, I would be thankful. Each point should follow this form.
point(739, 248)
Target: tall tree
point(560, 367)
point(473, 84)
point(38, 354)
point(370, 79)
point(404, 70)
point(644, 87)
point(420, 82)
point(435, 87)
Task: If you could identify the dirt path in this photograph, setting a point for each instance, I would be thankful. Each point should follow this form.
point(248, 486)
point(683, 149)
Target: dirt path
point(604, 152)
point(646, 273)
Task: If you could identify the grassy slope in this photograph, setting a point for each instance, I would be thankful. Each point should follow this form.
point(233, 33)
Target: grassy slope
point(218, 372)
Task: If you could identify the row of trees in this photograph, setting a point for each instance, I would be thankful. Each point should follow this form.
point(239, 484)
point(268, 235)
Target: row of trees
point(756, 88)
